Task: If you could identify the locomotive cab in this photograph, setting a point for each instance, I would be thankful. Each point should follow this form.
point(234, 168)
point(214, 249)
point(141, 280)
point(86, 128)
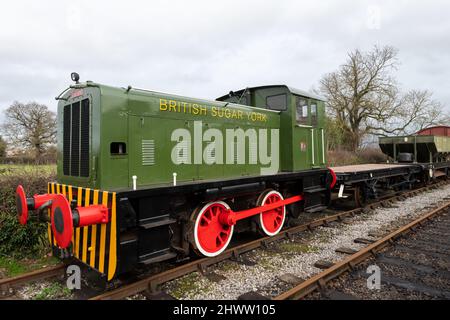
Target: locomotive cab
point(302, 115)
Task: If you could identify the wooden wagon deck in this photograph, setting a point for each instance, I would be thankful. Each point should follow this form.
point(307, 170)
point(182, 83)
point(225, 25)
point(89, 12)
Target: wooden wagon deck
point(367, 167)
point(366, 172)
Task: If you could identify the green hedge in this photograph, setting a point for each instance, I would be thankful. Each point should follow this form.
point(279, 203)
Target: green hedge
point(17, 240)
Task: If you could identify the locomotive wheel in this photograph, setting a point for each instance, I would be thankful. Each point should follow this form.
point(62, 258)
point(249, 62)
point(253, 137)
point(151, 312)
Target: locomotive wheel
point(270, 222)
point(211, 237)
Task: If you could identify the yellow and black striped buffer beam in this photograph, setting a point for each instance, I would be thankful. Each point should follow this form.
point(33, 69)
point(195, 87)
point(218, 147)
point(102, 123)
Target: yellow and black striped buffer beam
point(95, 245)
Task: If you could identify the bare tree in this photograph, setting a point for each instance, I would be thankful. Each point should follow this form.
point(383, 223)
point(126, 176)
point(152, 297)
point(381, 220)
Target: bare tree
point(3, 147)
point(413, 111)
point(31, 126)
point(363, 98)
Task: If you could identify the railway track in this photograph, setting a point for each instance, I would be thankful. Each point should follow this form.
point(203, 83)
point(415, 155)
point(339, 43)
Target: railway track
point(434, 244)
point(149, 285)
point(8, 284)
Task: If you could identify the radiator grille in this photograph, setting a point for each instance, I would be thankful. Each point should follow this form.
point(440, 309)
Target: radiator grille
point(75, 143)
point(76, 139)
point(66, 140)
point(84, 156)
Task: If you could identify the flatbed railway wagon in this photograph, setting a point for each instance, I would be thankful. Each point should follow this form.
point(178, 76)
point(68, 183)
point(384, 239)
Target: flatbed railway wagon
point(411, 160)
point(365, 182)
point(144, 176)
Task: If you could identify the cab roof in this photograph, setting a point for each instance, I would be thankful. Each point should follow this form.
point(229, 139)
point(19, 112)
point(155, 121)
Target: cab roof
point(290, 89)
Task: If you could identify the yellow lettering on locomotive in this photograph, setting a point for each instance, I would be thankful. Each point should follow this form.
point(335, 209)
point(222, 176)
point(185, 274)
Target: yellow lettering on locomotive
point(198, 109)
point(172, 105)
point(162, 104)
point(264, 117)
point(195, 109)
point(184, 106)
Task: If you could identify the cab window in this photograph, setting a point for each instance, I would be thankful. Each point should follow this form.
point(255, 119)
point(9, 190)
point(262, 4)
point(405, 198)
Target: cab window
point(314, 113)
point(242, 100)
point(302, 111)
point(277, 102)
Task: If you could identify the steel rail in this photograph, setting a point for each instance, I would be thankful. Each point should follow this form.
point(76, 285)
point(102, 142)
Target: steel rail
point(319, 280)
point(151, 283)
point(40, 274)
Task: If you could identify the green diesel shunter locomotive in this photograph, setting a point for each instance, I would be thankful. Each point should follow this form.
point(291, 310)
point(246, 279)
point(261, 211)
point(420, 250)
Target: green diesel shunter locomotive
point(146, 176)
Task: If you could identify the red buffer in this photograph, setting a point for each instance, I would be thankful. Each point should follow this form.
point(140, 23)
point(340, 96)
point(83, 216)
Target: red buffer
point(25, 204)
point(63, 218)
point(333, 178)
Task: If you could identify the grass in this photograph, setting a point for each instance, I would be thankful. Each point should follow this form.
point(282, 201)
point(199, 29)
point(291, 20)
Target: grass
point(322, 236)
point(229, 266)
point(266, 262)
point(10, 169)
point(297, 247)
point(12, 267)
point(189, 283)
point(54, 291)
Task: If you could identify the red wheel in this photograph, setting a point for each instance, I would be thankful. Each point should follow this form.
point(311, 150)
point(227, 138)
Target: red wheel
point(271, 221)
point(211, 237)
point(21, 204)
point(62, 223)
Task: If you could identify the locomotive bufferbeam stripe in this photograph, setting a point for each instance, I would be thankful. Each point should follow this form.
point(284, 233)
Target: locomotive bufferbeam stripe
point(112, 261)
point(77, 230)
point(101, 263)
point(93, 237)
point(93, 245)
point(70, 197)
point(87, 195)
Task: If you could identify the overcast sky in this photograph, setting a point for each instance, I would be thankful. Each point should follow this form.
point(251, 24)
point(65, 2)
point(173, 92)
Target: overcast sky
point(207, 48)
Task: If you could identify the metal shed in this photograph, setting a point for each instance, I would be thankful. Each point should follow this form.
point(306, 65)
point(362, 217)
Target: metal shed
point(443, 131)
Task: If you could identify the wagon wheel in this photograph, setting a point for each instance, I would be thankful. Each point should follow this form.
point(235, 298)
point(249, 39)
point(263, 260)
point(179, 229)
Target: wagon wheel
point(425, 180)
point(327, 199)
point(359, 197)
